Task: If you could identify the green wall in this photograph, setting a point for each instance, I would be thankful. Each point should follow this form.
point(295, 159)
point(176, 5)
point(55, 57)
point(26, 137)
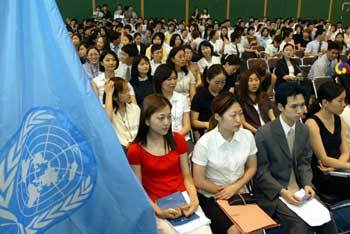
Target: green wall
point(309, 10)
point(316, 9)
point(165, 8)
point(282, 8)
point(239, 9)
point(216, 8)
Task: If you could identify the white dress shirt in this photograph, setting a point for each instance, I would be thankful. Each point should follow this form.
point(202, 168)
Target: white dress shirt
point(224, 161)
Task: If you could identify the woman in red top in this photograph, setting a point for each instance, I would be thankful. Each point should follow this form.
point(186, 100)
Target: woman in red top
point(159, 159)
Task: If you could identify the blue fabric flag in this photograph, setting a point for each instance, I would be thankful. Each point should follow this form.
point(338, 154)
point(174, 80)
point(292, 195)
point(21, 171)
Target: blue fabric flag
point(62, 169)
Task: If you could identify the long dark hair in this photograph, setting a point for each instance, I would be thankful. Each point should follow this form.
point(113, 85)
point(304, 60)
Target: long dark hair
point(151, 104)
point(119, 85)
point(135, 72)
point(244, 92)
point(211, 72)
point(220, 104)
point(327, 91)
point(162, 73)
point(103, 55)
point(172, 55)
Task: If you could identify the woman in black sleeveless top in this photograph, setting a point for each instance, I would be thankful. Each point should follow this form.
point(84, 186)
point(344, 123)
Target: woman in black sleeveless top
point(328, 140)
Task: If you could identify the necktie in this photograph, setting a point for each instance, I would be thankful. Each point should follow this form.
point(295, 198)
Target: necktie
point(238, 54)
point(128, 74)
point(292, 184)
point(319, 47)
point(329, 71)
point(290, 139)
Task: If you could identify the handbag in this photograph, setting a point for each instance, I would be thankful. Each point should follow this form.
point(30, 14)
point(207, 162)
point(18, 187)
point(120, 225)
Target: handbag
point(242, 199)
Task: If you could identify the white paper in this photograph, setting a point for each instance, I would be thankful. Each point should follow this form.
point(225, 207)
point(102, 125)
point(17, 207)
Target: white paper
point(193, 225)
point(313, 212)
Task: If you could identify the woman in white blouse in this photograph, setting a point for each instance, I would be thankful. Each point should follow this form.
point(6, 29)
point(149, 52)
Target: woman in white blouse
point(165, 80)
point(124, 114)
point(208, 58)
point(108, 67)
point(224, 160)
point(186, 83)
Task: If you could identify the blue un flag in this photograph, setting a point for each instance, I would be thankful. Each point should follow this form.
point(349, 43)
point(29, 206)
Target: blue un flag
point(62, 169)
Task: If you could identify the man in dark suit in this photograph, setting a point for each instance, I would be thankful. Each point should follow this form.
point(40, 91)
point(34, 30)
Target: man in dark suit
point(284, 156)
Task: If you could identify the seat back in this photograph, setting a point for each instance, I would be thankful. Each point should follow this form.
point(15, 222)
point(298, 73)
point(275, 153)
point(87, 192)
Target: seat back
point(309, 60)
point(318, 81)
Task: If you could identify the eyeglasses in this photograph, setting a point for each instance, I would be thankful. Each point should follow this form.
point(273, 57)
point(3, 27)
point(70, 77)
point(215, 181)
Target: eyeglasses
point(295, 106)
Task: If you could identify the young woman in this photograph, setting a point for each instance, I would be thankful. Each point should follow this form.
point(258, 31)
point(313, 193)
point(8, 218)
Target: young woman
point(287, 38)
point(165, 79)
point(124, 114)
point(256, 105)
point(141, 79)
point(231, 64)
point(208, 58)
point(339, 38)
point(224, 160)
point(108, 65)
point(158, 39)
point(82, 51)
point(329, 140)
point(175, 40)
point(102, 43)
point(214, 82)
point(91, 67)
point(192, 66)
point(286, 68)
point(159, 159)
point(347, 36)
point(186, 83)
point(344, 80)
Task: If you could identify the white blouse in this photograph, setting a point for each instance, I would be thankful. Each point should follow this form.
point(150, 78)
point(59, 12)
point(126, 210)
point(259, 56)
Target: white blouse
point(179, 106)
point(224, 161)
point(126, 126)
point(204, 63)
point(100, 81)
point(184, 82)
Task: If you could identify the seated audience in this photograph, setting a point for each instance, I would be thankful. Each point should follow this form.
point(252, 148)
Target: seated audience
point(141, 79)
point(231, 64)
point(325, 65)
point(214, 82)
point(208, 58)
point(165, 80)
point(160, 162)
point(186, 83)
point(318, 46)
point(283, 162)
point(91, 67)
point(108, 65)
point(124, 114)
point(329, 140)
point(256, 105)
point(287, 68)
point(224, 160)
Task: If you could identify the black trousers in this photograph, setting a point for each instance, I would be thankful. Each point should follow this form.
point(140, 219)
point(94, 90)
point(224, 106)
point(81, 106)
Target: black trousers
point(294, 225)
point(220, 223)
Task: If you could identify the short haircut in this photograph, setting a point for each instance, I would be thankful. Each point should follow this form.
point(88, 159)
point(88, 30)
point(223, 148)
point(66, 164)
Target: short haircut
point(334, 46)
point(319, 32)
point(285, 90)
point(155, 48)
point(231, 59)
point(130, 49)
point(206, 44)
point(234, 36)
point(161, 74)
point(160, 35)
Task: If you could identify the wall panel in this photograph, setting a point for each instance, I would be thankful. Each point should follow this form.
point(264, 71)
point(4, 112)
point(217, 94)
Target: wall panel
point(282, 8)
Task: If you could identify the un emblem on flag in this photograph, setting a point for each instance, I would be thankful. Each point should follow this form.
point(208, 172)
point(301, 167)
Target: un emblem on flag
point(47, 171)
